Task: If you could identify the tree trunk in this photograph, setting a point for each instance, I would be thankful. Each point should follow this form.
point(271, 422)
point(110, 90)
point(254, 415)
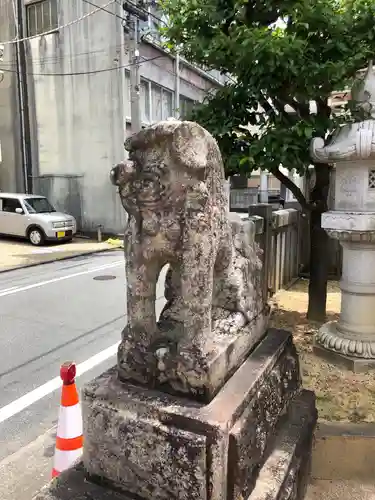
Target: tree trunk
point(319, 241)
point(319, 262)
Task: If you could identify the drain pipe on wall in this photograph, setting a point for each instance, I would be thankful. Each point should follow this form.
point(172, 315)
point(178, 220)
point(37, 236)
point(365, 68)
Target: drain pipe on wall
point(177, 112)
point(23, 101)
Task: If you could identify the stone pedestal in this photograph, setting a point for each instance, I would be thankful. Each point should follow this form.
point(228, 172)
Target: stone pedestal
point(351, 341)
point(253, 440)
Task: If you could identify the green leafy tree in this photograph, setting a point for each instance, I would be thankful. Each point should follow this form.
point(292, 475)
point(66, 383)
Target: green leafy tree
point(280, 56)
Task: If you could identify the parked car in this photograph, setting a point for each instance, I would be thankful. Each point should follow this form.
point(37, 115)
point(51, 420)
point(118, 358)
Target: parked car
point(33, 217)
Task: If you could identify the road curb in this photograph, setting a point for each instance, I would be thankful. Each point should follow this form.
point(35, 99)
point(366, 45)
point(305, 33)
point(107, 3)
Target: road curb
point(344, 451)
point(57, 259)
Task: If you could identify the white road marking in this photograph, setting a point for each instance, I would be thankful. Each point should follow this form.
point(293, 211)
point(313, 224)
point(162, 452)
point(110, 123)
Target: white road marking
point(7, 289)
point(13, 290)
point(44, 390)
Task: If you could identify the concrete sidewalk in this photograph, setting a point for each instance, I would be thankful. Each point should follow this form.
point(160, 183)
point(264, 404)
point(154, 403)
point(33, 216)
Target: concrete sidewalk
point(17, 253)
point(26, 471)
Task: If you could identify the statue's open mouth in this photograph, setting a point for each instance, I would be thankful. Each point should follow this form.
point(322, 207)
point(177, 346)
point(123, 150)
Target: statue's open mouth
point(121, 173)
point(113, 176)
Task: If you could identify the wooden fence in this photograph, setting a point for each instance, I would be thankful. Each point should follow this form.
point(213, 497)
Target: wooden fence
point(278, 235)
point(241, 199)
point(284, 237)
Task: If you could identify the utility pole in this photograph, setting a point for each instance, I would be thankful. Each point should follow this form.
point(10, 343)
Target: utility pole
point(136, 12)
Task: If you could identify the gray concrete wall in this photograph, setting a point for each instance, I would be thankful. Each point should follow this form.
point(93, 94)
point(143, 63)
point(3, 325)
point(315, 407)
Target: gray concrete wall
point(79, 101)
point(79, 122)
point(10, 176)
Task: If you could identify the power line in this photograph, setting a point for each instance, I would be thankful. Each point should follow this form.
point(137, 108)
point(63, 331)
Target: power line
point(56, 59)
point(75, 21)
point(103, 70)
point(77, 73)
point(42, 61)
point(146, 11)
point(105, 10)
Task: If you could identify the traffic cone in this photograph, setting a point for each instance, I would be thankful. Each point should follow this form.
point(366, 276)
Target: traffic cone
point(69, 437)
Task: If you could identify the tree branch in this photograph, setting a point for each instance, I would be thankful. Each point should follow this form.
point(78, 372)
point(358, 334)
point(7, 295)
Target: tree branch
point(303, 108)
point(267, 106)
point(289, 184)
point(322, 107)
point(280, 106)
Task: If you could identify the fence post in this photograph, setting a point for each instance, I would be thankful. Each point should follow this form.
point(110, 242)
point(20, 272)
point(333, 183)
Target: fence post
point(264, 210)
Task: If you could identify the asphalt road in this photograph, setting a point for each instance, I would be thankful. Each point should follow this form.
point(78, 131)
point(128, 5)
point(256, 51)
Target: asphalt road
point(69, 310)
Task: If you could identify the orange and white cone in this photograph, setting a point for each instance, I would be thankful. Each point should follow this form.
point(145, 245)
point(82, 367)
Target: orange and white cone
point(69, 437)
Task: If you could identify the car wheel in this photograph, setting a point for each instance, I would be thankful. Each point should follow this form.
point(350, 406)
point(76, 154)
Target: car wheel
point(36, 236)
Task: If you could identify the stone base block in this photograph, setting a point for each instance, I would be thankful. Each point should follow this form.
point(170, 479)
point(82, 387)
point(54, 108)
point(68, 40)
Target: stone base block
point(356, 365)
point(195, 374)
point(286, 471)
point(284, 474)
point(155, 445)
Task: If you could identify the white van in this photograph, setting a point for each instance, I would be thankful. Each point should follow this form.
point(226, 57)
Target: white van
point(33, 217)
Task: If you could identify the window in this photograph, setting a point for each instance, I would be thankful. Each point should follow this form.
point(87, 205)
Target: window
point(156, 102)
point(162, 103)
point(38, 206)
point(371, 179)
point(145, 101)
point(41, 17)
point(186, 106)
point(167, 104)
point(10, 205)
point(157, 114)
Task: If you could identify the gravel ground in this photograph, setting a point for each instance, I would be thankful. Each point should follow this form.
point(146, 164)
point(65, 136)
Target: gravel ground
point(341, 394)
point(340, 490)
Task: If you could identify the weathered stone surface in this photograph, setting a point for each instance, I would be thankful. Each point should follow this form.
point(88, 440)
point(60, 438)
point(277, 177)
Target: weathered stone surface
point(152, 443)
point(250, 435)
point(223, 354)
point(284, 476)
point(173, 188)
point(142, 456)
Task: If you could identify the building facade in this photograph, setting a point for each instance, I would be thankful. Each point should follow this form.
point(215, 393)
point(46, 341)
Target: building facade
point(78, 87)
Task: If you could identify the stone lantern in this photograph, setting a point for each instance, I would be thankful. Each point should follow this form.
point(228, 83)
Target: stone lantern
point(351, 340)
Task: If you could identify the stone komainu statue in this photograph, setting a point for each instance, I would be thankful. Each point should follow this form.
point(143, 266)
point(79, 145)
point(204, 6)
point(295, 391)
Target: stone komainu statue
point(173, 190)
